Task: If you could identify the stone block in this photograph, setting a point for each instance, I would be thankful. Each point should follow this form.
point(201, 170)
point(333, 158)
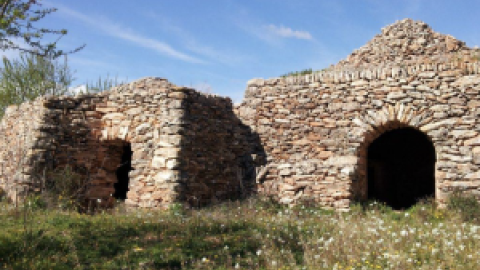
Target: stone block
point(341, 160)
point(168, 176)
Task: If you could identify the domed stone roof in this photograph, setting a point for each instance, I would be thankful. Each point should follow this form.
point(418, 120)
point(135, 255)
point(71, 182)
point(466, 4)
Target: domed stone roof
point(405, 41)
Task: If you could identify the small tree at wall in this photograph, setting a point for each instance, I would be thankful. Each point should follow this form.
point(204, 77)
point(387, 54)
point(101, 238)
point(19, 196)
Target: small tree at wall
point(31, 76)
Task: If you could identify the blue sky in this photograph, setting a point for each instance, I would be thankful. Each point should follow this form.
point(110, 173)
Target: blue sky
point(218, 45)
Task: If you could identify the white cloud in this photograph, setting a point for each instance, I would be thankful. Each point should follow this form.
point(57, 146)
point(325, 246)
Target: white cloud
point(118, 31)
point(227, 57)
point(269, 33)
point(287, 32)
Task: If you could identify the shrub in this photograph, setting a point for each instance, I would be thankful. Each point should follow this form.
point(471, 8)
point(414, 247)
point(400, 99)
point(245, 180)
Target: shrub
point(466, 205)
point(297, 73)
point(65, 188)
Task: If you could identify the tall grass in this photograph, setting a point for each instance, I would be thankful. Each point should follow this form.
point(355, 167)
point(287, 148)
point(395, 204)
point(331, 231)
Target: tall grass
point(251, 234)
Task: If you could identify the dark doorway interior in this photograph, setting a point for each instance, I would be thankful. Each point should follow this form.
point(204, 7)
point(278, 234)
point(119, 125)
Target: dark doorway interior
point(121, 187)
point(401, 168)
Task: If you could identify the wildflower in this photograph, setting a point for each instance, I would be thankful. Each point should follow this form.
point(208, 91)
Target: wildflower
point(226, 247)
point(259, 252)
point(204, 260)
point(237, 266)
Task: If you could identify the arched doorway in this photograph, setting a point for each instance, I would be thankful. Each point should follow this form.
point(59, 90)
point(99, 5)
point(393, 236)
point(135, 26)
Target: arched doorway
point(401, 168)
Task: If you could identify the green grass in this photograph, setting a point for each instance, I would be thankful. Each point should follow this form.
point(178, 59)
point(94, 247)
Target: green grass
point(252, 234)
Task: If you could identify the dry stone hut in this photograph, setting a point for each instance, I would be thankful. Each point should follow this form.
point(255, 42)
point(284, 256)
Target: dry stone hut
point(396, 121)
point(149, 142)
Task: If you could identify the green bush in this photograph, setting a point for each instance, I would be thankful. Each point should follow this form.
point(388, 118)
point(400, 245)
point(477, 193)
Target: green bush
point(30, 76)
point(301, 72)
point(65, 188)
point(466, 205)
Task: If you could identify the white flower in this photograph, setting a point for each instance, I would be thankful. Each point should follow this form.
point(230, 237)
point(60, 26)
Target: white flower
point(237, 266)
point(226, 248)
point(259, 252)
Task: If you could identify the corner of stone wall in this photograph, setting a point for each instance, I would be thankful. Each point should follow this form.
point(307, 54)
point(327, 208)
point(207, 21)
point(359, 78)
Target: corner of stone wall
point(25, 144)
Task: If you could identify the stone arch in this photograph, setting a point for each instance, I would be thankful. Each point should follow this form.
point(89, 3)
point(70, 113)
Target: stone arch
point(381, 126)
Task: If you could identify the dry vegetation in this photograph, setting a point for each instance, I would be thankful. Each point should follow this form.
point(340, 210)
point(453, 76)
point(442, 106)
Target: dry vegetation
point(250, 234)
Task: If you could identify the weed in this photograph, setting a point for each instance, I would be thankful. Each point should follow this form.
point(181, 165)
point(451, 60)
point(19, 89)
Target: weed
point(466, 205)
point(254, 233)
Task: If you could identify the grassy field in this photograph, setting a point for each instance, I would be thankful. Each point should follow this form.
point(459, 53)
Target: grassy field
point(251, 234)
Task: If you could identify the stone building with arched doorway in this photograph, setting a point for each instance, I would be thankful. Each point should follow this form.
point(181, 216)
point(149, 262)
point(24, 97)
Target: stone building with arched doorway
point(397, 121)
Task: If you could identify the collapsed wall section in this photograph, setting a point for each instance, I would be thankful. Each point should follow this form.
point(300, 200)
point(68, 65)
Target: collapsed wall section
point(316, 129)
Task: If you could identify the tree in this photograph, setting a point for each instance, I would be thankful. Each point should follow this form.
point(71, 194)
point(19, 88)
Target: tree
point(17, 19)
point(31, 76)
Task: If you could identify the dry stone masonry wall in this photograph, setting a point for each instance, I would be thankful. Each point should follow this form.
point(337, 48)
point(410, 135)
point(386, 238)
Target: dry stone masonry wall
point(316, 129)
point(21, 152)
point(408, 42)
point(185, 146)
point(328, 138)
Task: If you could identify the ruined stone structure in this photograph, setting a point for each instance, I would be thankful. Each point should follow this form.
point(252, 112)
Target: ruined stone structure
point(396, 121)
point(159, 142)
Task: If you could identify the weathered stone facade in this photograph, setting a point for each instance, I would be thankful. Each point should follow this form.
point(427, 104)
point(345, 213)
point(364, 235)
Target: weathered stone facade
point(396, 121)
point(183, 145)
point(316, 129)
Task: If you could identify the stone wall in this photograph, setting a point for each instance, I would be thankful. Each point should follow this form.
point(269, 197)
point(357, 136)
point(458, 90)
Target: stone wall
point(186, 146)
point(21, 152)
point(215, 150)
point(303, 138)
point(316, 129)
